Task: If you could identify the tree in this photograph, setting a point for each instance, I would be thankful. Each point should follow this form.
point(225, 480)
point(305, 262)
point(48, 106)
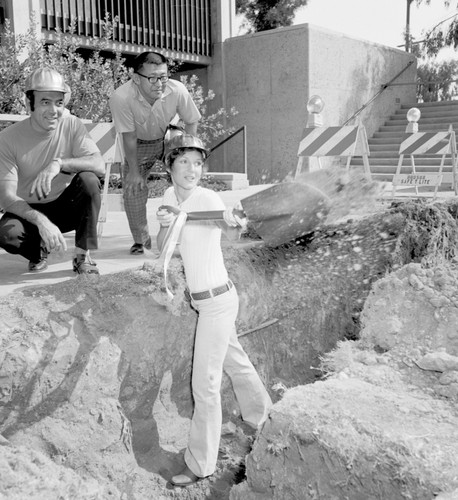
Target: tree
point(262, 15)
point(437, 80)
point(443, 34)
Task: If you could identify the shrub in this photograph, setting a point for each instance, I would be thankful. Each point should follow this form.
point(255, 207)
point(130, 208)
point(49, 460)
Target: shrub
point(92, 79)
point(158, 184)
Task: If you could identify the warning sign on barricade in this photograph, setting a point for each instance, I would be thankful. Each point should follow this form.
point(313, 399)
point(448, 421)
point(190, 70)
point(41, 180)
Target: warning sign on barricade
point(347, 141)
point(431, 144)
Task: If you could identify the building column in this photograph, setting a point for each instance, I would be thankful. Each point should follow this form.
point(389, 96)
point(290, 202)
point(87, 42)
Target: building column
point(222, 28)
point(19, 14)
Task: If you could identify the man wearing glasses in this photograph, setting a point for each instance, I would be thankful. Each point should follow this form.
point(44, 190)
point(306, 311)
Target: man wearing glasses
point(142, 109)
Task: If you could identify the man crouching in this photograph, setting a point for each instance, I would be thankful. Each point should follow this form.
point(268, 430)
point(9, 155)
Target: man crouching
point(49, 178)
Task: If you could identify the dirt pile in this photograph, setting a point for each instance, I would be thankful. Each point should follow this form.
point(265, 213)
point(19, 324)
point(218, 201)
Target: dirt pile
point(95, 374)
point(384, 424)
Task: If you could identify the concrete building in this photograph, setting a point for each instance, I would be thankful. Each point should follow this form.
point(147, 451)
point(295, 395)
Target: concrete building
point(268, 77)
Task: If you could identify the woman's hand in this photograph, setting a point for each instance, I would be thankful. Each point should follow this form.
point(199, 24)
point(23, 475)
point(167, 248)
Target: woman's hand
point(233, 218)
point(166, 216)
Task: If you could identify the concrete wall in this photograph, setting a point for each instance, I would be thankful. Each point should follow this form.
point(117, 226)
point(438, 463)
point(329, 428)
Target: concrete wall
point(269, 77)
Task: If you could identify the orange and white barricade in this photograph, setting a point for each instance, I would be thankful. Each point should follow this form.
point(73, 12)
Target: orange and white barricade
point(431, 144)
point(104, 135)
point(344, 141)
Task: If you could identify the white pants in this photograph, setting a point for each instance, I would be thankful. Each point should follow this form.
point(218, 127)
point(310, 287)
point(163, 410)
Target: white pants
point(216, 348)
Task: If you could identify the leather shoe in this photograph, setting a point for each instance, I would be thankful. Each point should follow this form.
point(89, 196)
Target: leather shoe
point(83, 264)
point(185, 478)
point(41, 265)
point(137, 248)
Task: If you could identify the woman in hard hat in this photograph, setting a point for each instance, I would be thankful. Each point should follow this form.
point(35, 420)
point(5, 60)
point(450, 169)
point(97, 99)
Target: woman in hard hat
point(215, 298)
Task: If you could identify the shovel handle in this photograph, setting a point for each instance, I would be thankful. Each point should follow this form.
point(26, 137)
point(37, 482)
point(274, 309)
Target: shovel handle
point(203, 215)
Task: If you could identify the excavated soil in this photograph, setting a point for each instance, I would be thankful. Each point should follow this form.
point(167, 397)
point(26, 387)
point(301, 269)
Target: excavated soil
point(357, 350)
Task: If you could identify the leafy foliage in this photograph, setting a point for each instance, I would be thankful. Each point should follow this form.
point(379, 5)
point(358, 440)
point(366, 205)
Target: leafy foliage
point(444, 34)
point(11, 70)
point(437, 80)
point(211, 126)
point(158, 184)
point(262, 15)
point(92, 79)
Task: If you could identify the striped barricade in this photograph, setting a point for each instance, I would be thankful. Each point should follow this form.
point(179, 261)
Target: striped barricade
point(431, 144)
point(345, 141)
point(104, 135)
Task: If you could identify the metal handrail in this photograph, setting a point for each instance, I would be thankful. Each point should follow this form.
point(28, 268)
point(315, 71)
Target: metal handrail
point(383, 88)
point(244, 144)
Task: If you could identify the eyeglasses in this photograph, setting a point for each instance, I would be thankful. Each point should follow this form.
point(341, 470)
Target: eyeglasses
point(154, 79)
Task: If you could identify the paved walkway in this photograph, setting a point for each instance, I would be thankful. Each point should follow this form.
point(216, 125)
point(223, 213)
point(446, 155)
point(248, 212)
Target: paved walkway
point(113, 253)
point(111, 257)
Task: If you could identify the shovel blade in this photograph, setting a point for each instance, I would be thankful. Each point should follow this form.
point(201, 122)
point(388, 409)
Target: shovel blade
point(285, 211)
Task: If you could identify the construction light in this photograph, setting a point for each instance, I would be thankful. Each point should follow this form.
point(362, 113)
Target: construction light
point(413, 115)
point(314, 107)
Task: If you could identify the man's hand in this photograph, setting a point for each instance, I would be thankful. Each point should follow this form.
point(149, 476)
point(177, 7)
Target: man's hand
point(51, 236)
point(133, 183)
point(42, 183)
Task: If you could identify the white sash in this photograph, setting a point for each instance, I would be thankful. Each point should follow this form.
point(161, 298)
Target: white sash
point(170, 241)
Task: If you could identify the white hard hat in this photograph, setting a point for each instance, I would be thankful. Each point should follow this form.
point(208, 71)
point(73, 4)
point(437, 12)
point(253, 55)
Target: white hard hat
point(46, 80)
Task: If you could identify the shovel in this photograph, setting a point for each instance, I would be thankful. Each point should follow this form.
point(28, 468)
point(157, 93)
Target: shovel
point(279, 213)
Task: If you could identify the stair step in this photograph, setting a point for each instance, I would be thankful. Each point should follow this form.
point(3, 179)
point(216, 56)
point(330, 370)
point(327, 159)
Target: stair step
point(433, 125)
point(393, 160)
point(423, 105)
point(383, 148)
point(391, 135)
point(429, 127)
point(398, 131)
point(394, 153)
point(445, 120)
point(428, 114)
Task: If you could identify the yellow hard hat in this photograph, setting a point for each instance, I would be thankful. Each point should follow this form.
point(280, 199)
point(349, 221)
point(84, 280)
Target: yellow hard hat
point(46, 80)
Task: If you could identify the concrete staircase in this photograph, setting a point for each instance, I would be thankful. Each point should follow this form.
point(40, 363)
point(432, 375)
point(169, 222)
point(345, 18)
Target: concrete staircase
point(384, 145)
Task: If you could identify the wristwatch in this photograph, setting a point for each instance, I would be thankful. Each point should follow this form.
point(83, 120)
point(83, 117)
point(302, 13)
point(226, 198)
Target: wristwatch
point(61, 164)
point(59, 161)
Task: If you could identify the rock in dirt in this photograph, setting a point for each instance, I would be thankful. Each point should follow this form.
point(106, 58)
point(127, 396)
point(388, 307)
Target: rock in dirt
point(381, 426)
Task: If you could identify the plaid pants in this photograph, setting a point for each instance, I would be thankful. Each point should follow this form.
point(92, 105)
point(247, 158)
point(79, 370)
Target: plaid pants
point(148, 152)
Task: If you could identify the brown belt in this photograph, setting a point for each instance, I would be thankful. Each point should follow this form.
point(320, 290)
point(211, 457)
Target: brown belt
point(213, 292)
